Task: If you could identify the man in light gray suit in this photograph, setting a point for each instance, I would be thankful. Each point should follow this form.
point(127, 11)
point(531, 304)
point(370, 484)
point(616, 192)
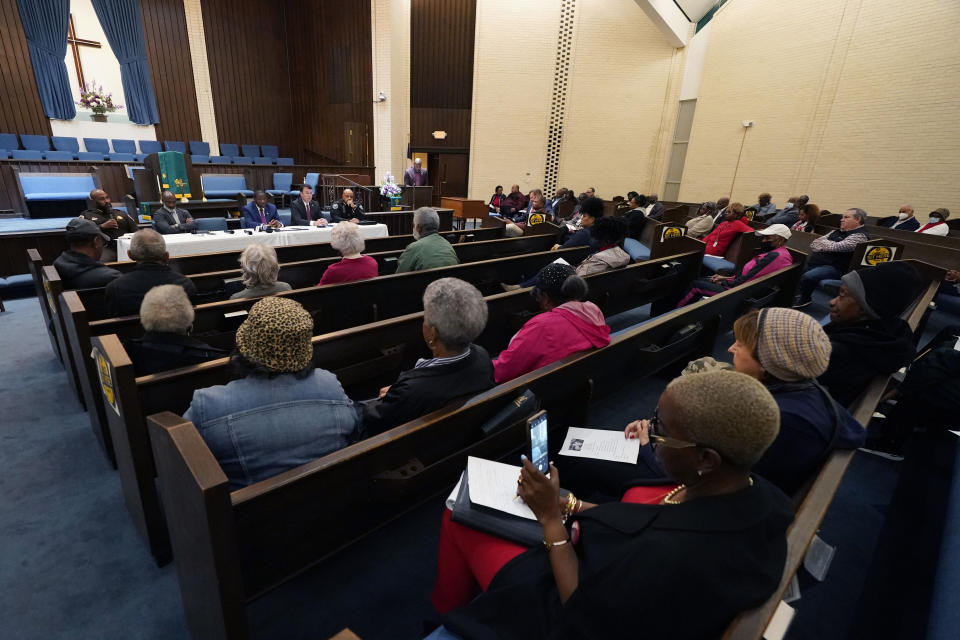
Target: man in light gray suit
point(171, 219)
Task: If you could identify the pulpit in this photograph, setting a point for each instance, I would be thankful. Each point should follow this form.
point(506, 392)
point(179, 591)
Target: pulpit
point(416, 197)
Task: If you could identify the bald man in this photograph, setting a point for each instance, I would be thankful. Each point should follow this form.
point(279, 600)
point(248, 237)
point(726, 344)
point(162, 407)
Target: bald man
point(347, 209)
point(415, 176)
point(112, 222)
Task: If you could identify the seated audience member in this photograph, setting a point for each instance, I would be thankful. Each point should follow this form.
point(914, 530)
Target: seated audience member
point(111, 222)
point(347, 208)
point(283, 412)
point(790, 213)
point(830, 255)
point(79, 266)
point(905, 220)
point(591, 210)
point(454, 314)
point(565, 325)
point(928, 397)
point(559, 196)
point(260, 213)
point(702, 223)
point(764, 207)
point(807, 218)
point(306, 211)
point(347, 240)
point(721, 213)
point(260, 269)
point(430, 249)
point(948, 296)
point(170, 218)
point(532, 197)
point(514, 202)
point(496, 200)
point(869, 338)
point(773, 256)
point(167, 317)
point(605, 235)
point(936, 223)
point(724, 233)
point(124, 295)
point(636, 220)
point(659, 542)
point(656, 207)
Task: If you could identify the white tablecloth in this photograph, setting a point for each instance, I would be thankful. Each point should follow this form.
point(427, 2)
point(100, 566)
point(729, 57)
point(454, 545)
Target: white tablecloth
point(183, 244)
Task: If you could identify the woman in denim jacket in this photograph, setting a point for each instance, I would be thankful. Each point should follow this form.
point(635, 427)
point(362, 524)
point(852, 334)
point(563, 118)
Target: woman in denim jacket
point(283, 412)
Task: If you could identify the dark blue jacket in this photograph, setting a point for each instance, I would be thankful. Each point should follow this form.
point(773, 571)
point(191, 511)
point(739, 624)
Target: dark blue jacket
point(251, 216)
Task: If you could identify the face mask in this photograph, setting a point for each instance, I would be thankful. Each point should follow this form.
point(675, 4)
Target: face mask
point(766, 245)
point(789, 205)
point(902, 216)
point(934, 219)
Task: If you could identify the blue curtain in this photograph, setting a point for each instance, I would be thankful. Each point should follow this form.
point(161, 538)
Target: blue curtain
point(45, 24)
point(121, 23)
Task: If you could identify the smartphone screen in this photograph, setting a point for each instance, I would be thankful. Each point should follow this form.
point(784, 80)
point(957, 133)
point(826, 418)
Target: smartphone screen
point(537, 435)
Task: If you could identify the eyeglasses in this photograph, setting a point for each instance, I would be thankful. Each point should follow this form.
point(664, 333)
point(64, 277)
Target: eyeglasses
point(656, 439)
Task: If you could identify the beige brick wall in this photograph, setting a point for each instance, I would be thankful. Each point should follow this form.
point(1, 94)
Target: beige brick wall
point(855, 104)
point(201, 74)
point(621, 100)
point(398, 96)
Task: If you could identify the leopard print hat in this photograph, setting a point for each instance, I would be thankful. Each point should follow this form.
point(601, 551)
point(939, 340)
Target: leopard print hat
point(276, 335)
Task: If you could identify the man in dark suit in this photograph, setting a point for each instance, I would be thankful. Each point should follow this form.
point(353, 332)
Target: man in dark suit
point(260, 213)
point(415, 176)
point(124, 295)
point(171, 219)
point(306, 211)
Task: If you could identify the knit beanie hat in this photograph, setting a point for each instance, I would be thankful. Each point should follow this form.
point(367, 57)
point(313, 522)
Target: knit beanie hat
point(276, 335)
point(550, 279)
point(885, 290)
point(791, 345)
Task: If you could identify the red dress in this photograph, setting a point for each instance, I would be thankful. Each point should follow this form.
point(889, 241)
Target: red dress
point(348, 270)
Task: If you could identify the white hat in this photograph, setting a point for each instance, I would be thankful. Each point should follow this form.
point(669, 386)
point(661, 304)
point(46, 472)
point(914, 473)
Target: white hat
point(776, 230)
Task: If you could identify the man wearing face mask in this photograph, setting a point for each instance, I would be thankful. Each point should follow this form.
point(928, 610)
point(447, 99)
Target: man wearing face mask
point(905, 220)
point(937, 223)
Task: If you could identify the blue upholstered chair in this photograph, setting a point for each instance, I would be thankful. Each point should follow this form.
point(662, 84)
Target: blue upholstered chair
point(35, 143)
point(26, 154)
point(196, 158)
point(242, 160)
point(59, 156)
point(220, 160)
point(311, 179)
point(8, 141)
point(211, 224)
point(270, 150)
point(93, 156)
point(173, 145)
point(252, 150)
point(229, 150)
point(221, 185)
point(4, 154)
point(122, 157)
point(200, 148)
point(97, 145)
point(66, 143)
point(285, 162)
point(262, 160)
point(127, 146)
point(282, 185)
point(150, 146)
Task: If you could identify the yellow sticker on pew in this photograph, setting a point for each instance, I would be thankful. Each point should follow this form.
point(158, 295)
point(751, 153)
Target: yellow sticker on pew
point(537, 218)
point(106, 380)
point(672, 232)
point(46, 288)
point(876, 254)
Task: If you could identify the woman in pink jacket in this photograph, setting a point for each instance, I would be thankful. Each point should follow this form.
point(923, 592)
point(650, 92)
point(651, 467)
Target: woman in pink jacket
point(567, 325)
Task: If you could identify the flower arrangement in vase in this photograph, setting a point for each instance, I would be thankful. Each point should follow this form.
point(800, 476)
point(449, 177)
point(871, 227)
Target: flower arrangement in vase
point(98, 101)
point(390, 189)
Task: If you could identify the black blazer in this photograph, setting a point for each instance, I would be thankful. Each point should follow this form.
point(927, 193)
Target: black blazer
point(651, 571)
point(124, 295)
point(164, 223)
point(417, 392)
point(298, 213)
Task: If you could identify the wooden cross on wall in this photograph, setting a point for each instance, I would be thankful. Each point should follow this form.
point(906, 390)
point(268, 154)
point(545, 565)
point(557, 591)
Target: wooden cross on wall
point(75, 44)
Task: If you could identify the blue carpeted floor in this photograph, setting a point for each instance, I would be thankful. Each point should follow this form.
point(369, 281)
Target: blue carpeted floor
point(72, 566)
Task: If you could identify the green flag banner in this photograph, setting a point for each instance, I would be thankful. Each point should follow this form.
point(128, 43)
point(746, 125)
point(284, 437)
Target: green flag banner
point(173, 173)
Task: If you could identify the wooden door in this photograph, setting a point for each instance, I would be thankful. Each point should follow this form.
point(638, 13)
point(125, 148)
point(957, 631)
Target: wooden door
point(449, 175)
point(355, 144)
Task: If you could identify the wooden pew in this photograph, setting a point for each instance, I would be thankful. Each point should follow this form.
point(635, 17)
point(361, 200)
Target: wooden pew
point(53, 288)
point(212, 286)
point(814, 503)
point(364, 359)
point(47, 308)
point(233, 547)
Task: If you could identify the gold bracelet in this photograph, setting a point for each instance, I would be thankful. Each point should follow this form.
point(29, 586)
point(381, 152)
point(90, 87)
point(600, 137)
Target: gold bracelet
point(551, 545)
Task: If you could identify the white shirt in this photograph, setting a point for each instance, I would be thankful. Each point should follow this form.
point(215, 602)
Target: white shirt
point(937, 230)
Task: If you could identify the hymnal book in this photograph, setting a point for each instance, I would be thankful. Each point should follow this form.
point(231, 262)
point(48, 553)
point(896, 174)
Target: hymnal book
point(600, 444)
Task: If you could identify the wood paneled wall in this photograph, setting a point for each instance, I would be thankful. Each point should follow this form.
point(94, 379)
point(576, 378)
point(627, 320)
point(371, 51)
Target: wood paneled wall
point(441, 71)
point(171, 69)
point(249, 75)
point(330, 78)
point(20, 108)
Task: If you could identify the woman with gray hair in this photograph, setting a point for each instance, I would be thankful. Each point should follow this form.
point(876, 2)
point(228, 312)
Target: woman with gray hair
point(260, 268)
point(454, 314)
point(348, 241)
point(167, 317)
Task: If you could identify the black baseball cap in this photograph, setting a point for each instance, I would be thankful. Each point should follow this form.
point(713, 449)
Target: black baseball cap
point(83, 228)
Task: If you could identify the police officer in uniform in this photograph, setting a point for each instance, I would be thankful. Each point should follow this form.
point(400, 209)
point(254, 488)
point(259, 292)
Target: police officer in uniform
point(347, 209)
point(111, 222)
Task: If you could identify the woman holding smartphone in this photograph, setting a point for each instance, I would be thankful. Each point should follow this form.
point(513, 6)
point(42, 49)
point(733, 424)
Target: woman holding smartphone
point(677, 560)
